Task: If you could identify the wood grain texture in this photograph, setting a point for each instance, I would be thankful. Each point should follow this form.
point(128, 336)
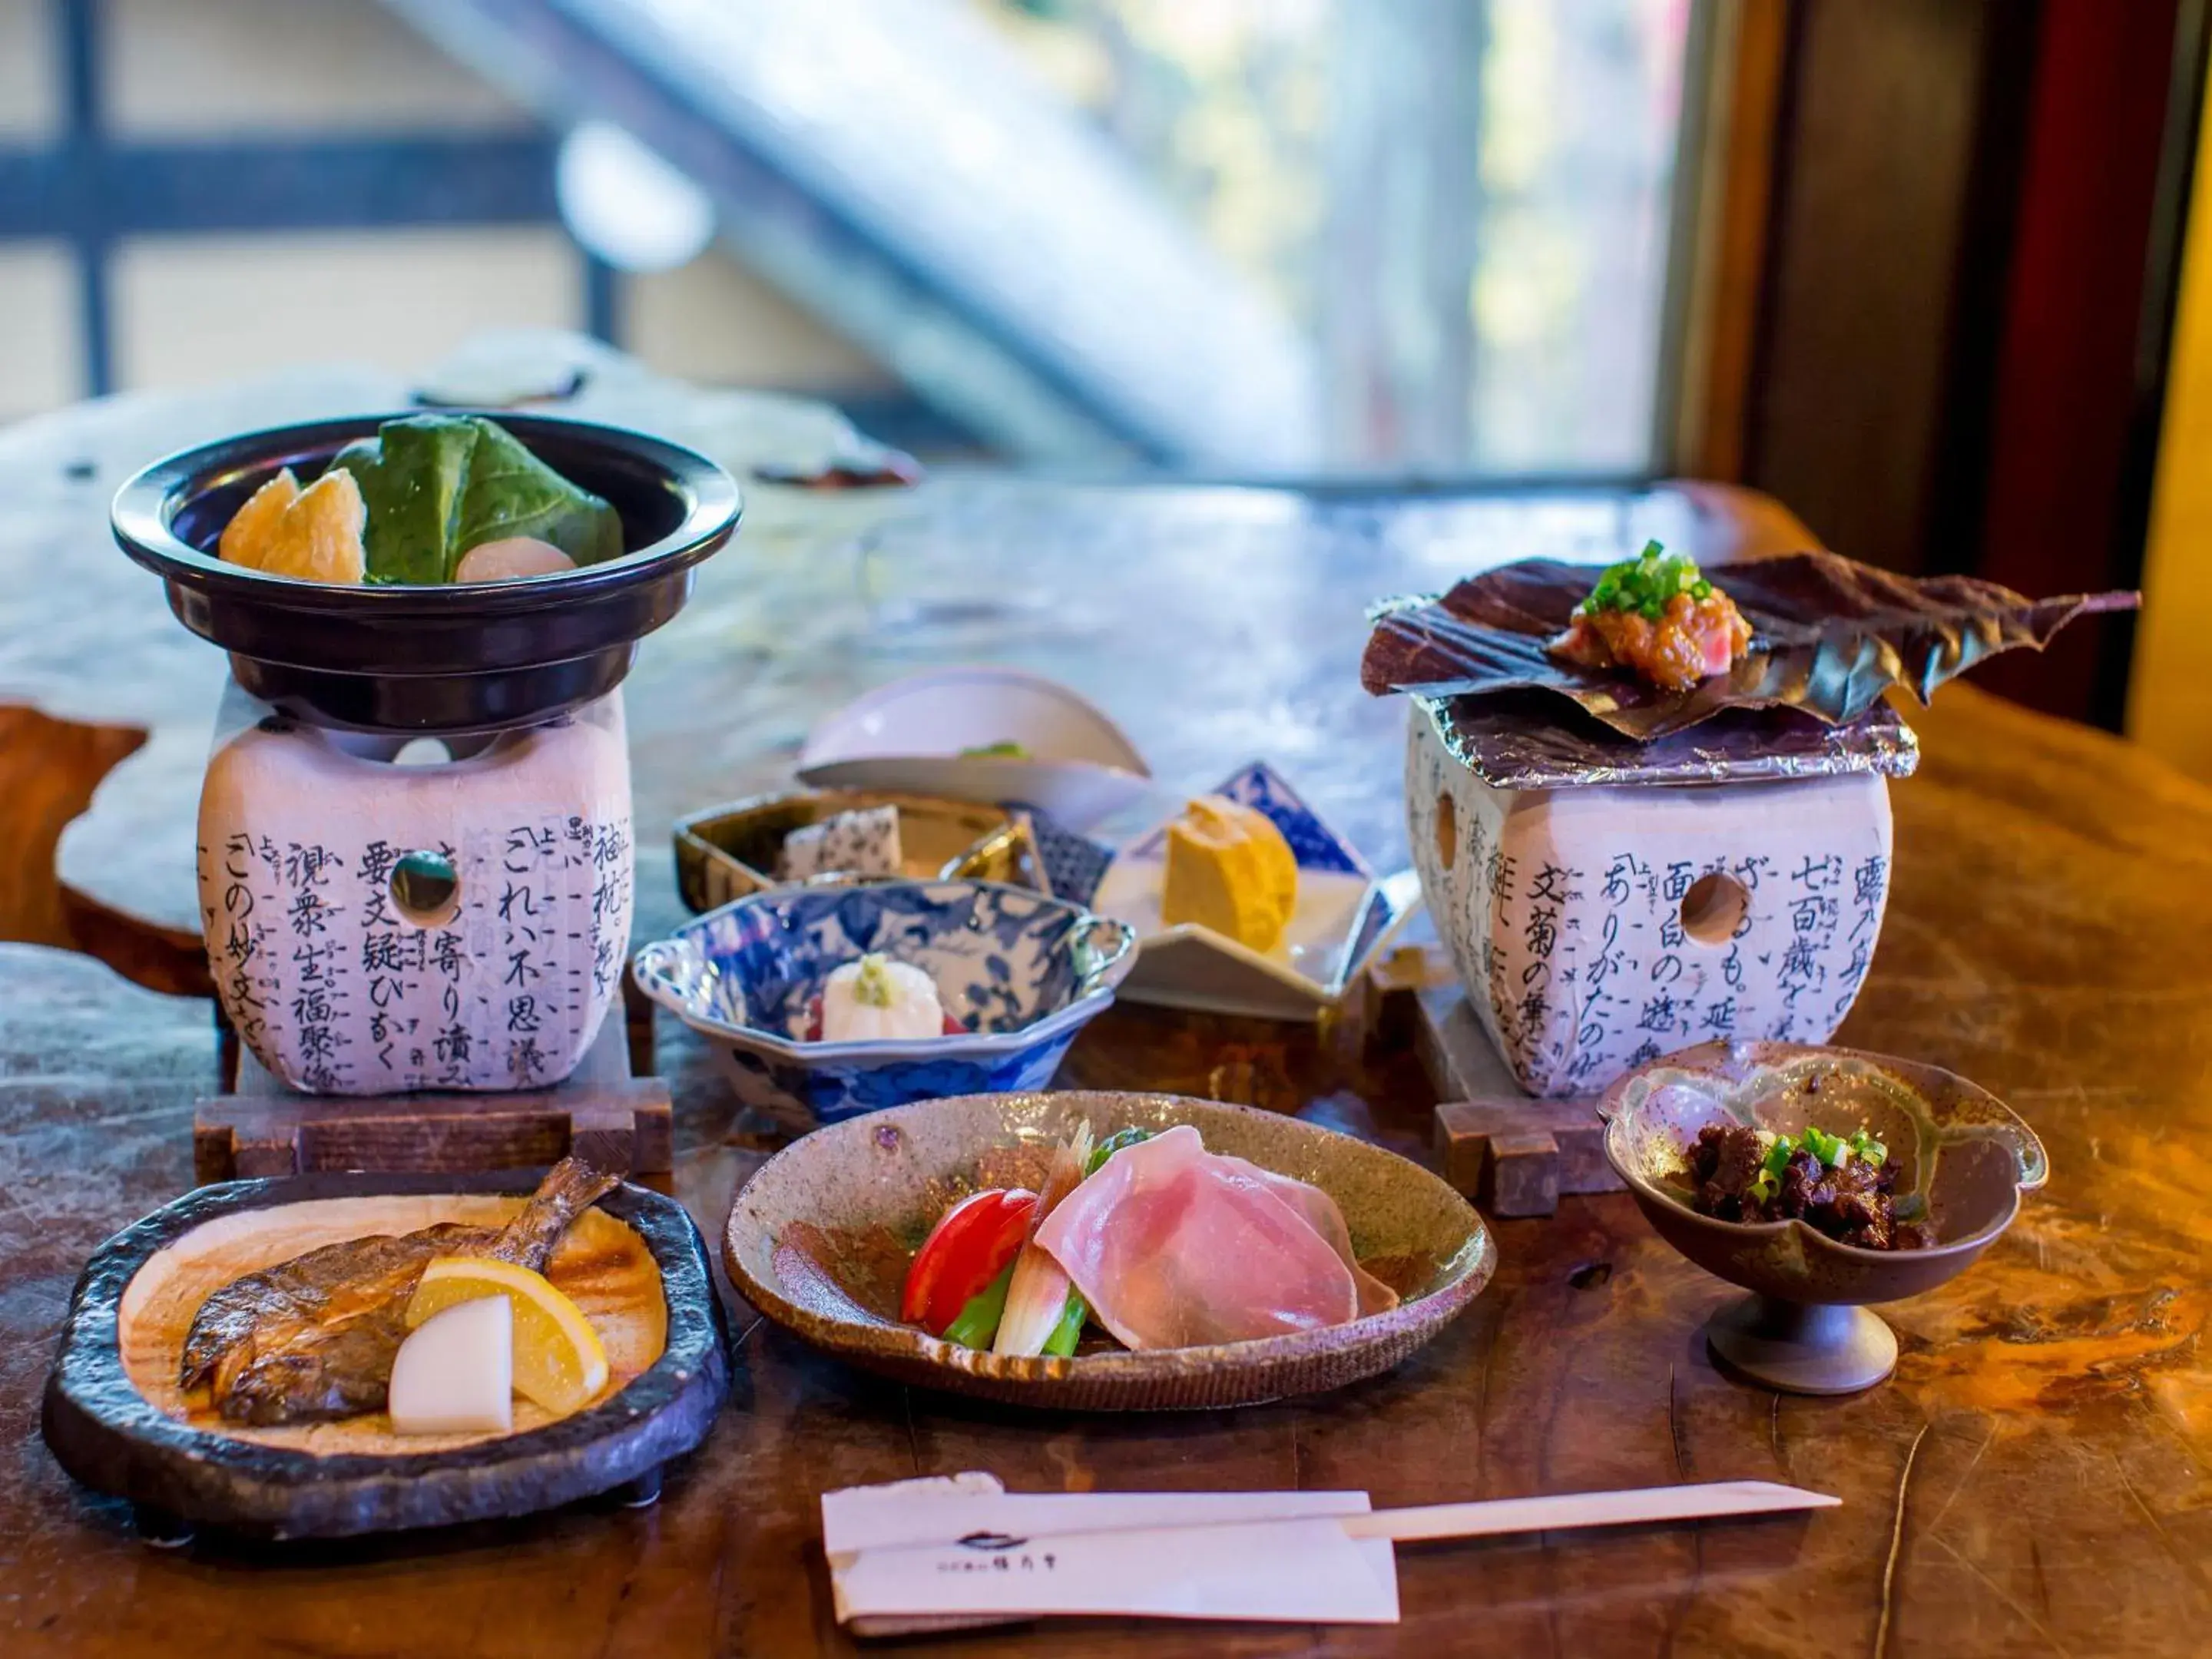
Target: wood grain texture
point(2033, 1479)
point(622, 1126)
point(601, 1113)
point(1860, 306)
point(48, 770)
point(1731, 260)
point(1517, 1156)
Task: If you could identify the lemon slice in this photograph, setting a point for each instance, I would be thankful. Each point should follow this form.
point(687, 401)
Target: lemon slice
point(558, 1361)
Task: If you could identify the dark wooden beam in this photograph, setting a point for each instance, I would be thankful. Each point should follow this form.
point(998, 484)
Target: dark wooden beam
point(302, 183)
point(2079, 374)
point(1868, 244)
point(1962, 331)
point(1738, 171)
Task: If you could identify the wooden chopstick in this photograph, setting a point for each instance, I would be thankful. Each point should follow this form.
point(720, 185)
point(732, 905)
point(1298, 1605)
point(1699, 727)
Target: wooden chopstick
point(1583, 1509)
point(1560, 1512)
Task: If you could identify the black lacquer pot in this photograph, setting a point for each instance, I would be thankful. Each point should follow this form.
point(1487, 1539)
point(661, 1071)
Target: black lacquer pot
point(454, 658)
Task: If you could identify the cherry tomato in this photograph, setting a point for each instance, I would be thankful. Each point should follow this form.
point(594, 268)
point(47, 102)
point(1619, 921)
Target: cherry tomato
point(968, 1248)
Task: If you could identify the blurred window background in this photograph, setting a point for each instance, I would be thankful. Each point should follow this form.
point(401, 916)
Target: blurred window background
point(1921, 270)
point(1462, 206)
point(1254, 237)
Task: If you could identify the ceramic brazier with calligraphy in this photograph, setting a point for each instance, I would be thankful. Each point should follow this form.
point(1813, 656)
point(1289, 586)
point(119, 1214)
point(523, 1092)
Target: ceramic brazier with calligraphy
point(381, 916)
point(377, 927)
point(1596, 927)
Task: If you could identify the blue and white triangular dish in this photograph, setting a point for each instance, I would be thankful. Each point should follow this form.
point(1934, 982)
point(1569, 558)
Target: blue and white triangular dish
point(1069, 865)
point(1344, 917)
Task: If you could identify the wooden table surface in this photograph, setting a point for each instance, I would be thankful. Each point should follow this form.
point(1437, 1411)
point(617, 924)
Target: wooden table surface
point(1215, 625)
point(2033, 1479)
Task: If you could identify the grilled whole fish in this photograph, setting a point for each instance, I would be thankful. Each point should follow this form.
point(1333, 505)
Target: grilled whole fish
point(314, 1338)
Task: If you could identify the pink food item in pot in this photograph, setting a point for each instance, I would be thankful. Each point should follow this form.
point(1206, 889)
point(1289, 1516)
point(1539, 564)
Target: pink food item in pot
point(509, 557)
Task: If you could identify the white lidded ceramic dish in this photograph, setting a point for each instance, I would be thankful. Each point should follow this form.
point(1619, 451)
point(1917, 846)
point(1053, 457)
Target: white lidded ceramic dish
point(910, 735)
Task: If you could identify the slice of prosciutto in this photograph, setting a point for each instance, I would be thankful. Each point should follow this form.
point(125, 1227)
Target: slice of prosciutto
point(1175, 1247)
point(1322, 1214)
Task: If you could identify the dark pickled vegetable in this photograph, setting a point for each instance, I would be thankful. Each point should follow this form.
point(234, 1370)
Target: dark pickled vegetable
point(1844, 1186)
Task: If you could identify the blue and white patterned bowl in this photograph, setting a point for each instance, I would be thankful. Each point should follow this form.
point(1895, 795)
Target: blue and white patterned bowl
point(1021, 971)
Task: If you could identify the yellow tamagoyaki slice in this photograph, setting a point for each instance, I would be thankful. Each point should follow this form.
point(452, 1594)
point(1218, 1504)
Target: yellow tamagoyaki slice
point(1229, 870)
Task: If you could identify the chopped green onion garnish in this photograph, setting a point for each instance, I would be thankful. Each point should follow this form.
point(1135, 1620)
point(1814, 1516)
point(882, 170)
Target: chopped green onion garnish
point(1645, 583)
point(1869, 1148)
point(1829, 1149)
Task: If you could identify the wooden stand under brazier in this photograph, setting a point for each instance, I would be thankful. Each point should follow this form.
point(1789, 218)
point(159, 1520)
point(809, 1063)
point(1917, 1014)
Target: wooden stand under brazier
point(611, 1109)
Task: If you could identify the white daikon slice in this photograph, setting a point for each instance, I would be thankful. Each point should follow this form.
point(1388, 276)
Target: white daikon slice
point(455, 1374)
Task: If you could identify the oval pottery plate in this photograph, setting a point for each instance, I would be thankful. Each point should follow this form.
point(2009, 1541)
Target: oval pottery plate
point(820, 1239)
point(115, 1420)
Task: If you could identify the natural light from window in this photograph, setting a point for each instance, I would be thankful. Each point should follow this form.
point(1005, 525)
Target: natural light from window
point(1463, 206)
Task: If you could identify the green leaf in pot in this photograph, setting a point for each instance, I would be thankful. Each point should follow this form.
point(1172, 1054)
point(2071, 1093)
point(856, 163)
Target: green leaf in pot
point(412, 475)
point(437, 485)
point(512, 493)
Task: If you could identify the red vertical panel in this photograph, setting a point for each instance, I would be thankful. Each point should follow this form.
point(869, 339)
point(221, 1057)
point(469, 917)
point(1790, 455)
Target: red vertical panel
point(2065, 378)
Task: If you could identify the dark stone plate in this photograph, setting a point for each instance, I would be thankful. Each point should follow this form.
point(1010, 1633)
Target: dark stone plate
point(463, 657)
point(111, 1437)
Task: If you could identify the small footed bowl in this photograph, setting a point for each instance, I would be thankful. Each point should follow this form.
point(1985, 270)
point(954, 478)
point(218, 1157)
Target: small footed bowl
point(911, 736)
point(1024, 972)
point(1964, 1160)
